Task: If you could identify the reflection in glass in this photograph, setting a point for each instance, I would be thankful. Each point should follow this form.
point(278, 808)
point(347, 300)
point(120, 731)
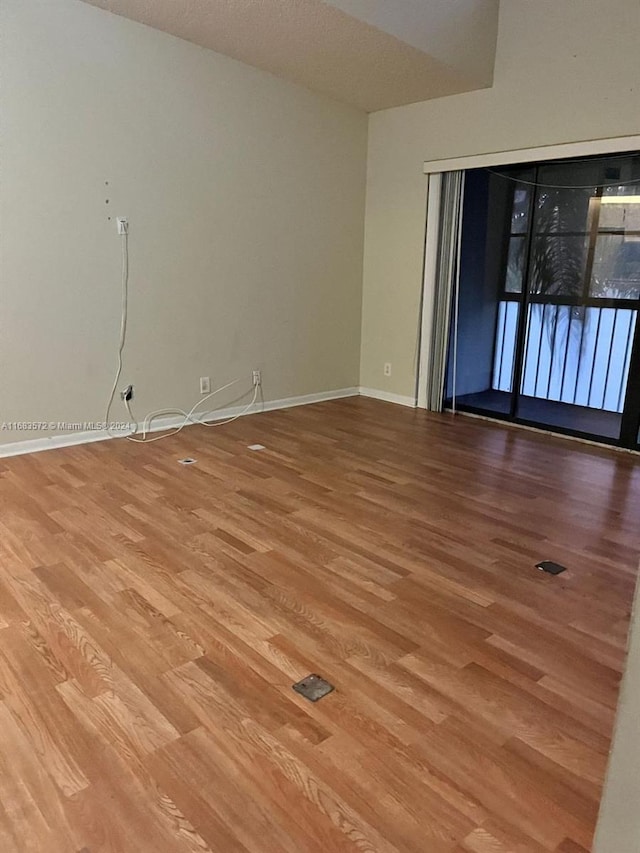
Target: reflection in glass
point(558, 264)
point(515, 264)
point(520, 212)
point(616, 267)
point(562, 211)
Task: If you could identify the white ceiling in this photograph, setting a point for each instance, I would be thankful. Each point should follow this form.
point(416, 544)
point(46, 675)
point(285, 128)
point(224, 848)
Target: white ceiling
point(373, 54)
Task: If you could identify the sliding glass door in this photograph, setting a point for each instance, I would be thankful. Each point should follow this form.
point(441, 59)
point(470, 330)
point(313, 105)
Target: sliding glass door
point(548, 296)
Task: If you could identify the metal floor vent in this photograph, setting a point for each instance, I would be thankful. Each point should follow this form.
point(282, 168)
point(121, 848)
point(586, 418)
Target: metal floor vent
point(189, 460)
point(550, 567)
point(313, 687)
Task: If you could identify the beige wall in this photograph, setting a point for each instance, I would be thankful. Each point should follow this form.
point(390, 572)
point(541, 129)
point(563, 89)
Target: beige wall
point(619, 822)
point(566, 70)
point(245, 196)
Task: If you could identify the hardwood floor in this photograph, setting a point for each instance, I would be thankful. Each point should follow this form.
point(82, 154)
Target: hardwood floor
point(153, 618)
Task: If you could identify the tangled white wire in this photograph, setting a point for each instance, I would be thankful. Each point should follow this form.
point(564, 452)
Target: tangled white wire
point(188, 416)
point(123, 325)
point(146, 424)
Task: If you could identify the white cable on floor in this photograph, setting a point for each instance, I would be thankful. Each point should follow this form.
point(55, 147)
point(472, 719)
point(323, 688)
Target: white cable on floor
point(185, 415)
point(188, 417)
point(146, 424)
point(123, 325)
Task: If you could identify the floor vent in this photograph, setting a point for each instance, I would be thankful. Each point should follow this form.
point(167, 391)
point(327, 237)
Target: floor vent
point(313, 687)
point(550, 568)
point(188, 461)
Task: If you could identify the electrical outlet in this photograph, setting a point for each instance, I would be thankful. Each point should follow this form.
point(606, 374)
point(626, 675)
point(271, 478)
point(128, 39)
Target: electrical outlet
point(123, 225)
point(205, 385)
point(127, 393)
point(256, 377)
point(387, 368)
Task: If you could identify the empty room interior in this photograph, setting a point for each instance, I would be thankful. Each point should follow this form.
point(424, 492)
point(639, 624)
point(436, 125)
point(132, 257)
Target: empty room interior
point(364, 277)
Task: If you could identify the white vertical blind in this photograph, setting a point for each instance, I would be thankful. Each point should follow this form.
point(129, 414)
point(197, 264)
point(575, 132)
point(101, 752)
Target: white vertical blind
point(446, 288)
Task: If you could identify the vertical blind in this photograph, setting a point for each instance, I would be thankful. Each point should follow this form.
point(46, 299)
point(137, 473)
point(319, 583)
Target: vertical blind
point(446, 285)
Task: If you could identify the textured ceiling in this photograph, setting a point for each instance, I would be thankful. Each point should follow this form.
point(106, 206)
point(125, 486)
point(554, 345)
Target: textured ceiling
point(460, 33)
point(373, 54)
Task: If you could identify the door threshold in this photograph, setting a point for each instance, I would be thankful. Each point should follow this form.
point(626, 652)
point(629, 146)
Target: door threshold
point(543, 431)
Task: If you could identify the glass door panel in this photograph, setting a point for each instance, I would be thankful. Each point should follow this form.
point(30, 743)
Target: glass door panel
point(576, 367)
point(580, 326)
point(492, 275)
point(549, 293)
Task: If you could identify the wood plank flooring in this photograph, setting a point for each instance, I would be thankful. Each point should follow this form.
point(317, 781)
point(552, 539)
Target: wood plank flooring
point(153, 618)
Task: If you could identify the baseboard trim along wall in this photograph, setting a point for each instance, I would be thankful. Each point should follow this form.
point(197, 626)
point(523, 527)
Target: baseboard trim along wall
point(399, 399)
point(34, 445)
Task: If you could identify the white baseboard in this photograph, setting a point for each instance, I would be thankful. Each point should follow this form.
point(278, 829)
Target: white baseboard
point(388, 397)
point(35, 445)
point(305, 399)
